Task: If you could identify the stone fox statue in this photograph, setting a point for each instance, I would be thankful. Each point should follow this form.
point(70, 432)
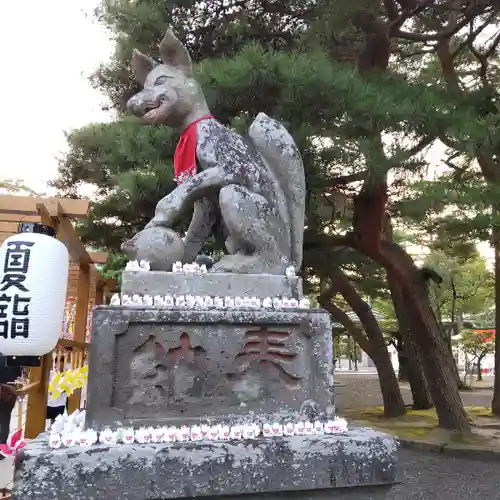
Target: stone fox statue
point(253, 187)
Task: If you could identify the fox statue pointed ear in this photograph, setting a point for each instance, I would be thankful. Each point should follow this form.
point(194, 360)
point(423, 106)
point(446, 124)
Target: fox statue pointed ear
point(142, 65)
point(173, 53)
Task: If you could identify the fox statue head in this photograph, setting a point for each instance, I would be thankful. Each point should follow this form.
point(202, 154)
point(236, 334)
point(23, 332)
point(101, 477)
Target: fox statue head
point(170, 96)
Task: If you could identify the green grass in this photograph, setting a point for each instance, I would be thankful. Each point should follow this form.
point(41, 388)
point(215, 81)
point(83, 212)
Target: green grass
point(420, 424)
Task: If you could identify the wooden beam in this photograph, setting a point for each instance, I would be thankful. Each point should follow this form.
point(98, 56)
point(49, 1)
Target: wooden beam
point(67, 343)
point(27, 205)
point(9, 227)
point(50, 207)
point(97, 257)
point(73, 243)
point(49, 211)
point(111, 285)
point(17, 218)
point(106, 283)
point(4, 236)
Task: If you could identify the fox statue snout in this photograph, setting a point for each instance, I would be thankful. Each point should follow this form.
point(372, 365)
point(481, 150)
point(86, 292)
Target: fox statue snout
point(146, 100)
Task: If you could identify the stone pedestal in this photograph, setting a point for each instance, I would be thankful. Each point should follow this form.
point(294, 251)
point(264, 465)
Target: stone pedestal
point(151, 367)
point(173, 366)
point(213, 284)
point(307, 464)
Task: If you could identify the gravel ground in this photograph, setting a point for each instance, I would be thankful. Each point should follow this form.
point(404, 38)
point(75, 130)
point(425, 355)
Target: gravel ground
point(363, 391)
point(439, 477)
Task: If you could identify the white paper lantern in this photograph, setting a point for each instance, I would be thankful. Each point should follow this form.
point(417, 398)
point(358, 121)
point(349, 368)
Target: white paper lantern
point(33, 282)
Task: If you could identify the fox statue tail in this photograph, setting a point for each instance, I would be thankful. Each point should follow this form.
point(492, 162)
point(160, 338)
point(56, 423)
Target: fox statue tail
point(282, 156)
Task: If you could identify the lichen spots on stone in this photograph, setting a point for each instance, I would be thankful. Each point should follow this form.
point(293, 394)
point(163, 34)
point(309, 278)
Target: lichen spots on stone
point(140, 472)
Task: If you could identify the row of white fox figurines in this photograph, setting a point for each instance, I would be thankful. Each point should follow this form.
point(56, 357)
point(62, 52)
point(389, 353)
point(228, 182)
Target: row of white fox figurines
point(77, 436)
point(179, 267)
point(208, 302)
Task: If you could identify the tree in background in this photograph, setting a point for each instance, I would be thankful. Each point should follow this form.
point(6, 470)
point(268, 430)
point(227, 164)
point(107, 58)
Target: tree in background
point(467, 287)
point(17, 186)
point(476, 345)
point(128, 167)
point(358, 86)
point(461, 48)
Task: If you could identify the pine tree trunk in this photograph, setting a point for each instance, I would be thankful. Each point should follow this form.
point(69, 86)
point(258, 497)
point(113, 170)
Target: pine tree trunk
point(495, 404)
point(372, 343)
point(403, 375)
point(421, 395)
point(349, 350)
point(436, 357)
point(422, 399)
point(375, 348)
point(394, 405)
point(389, 386)
point(438, 365)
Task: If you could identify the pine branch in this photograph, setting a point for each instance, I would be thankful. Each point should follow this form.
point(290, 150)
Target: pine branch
point(493, 46)
point(344, 180)
point(435, 37)
point(417, 8)
point(473, 34)
point(325, 300)
point(415, 53)
point(422, 144)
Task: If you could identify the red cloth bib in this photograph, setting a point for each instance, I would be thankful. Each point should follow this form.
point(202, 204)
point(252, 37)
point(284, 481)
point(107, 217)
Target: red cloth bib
point(185, 153)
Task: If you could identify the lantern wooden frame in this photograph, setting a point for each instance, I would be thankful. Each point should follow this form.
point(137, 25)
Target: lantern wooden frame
point(85, 284)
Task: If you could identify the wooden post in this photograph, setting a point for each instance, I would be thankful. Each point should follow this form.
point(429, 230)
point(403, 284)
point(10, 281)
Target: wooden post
point(36, 413)
point(99, 294)
point(82, 307)
point(105, 294)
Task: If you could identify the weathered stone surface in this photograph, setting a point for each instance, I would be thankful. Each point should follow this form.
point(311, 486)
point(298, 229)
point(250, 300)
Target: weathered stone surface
point(253, 187)
point(160, 246)
point(159, 472)
point(150, 366)
point(214, 284)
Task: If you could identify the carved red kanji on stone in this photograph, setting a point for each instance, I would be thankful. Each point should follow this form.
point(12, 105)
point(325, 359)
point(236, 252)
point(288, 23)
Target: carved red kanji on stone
point(269, 346)
point(184, 351)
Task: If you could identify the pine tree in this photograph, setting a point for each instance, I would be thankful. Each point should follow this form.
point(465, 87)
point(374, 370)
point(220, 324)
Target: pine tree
point(326, 69)
point(461, 45)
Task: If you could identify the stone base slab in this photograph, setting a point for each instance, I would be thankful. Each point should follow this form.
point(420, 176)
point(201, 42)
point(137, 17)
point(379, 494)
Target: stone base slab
point(213, 284)
point(362, 457)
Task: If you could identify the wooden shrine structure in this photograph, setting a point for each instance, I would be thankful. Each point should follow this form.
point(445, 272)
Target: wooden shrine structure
point(85, 285)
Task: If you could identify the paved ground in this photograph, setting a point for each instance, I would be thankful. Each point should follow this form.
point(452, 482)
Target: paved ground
point(362, 390)
point(428, 476)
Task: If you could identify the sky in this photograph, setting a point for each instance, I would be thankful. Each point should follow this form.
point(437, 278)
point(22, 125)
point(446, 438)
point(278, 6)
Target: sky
point(49, 49)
